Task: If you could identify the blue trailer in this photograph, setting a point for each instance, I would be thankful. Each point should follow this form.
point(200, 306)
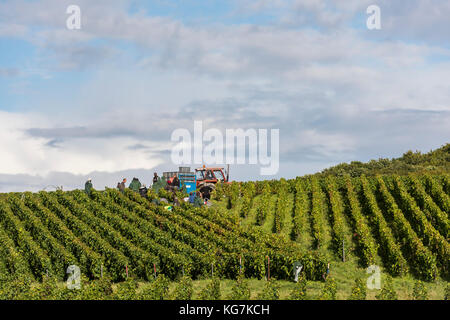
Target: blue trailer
point(188, 181)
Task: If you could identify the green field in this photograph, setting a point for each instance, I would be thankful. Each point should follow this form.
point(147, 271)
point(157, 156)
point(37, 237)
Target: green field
point(399, 223)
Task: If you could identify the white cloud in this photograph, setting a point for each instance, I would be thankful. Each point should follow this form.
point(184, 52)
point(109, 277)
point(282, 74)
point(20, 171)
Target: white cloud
point(23, 153)
point(332, 90)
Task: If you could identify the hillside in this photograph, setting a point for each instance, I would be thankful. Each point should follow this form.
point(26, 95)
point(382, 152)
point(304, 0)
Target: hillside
point(399, 223)
point(437, 161)
point(256, 230)
point(126, 233)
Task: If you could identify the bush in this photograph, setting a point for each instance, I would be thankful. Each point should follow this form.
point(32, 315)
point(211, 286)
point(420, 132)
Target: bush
point(184, 289)
point(387, 292)
point(47, 290)
point(240, 289)
point(420, 292)
point(162, 193)
point(126, 290)
point(359, 291)
point(271, 291)
point(246, 206)
point(97, 290)
point(157, 290)
point(15, 287)
point(299, 292)
point(218, 192)
point(212, 290)
point(329, 290)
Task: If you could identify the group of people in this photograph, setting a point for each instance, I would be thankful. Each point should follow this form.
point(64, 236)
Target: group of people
point(195, 198)
point(135, 185)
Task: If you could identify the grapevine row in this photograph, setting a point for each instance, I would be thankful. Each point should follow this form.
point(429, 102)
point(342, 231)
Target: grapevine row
point(433, 213)
point(423, 227)
point(89, 261)
point(421, 259)
point(115, 261)
point(300, 212)
point(225, 248)
point(393, 258)
point(59, 255)
point(446, 184)
point(366, 245)
point(338, 220)
point(37, 258)
point(173, 257)
point(264, 205)
point(317, 223)
point(438, 194)
point(141, 262)
point(229, 246)
point(281, 207)
point(253, 248)
point(13, 259)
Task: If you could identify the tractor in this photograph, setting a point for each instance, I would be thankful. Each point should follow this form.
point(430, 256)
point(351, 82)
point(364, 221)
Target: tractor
point(208, 177)
point(203, 180)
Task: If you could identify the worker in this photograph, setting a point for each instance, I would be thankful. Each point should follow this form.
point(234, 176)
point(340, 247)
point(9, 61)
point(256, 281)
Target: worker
point(155, 178)
point(176, 202)
point(135, 185)
point(121, 186)
point(198, 201)
point(160, 184)
point(325, 275)
point(143, 191)
point(175, 182)
point(191, 198)
point(88, 187)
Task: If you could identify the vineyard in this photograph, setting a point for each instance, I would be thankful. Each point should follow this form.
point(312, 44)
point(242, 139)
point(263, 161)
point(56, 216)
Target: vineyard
point(400, 223)
point(123, 235)
point(257, 230)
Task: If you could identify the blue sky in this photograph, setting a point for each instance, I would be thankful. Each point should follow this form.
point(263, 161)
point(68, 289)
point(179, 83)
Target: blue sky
point(76, 103)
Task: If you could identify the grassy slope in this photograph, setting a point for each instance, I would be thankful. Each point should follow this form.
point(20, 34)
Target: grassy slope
point(344, 273)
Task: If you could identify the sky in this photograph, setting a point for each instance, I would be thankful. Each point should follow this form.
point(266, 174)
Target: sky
point(103, 101)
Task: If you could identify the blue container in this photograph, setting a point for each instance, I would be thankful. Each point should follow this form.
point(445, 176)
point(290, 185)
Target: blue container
point(188, 181)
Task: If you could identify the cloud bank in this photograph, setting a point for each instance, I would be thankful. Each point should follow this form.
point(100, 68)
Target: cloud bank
point(104, 99)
